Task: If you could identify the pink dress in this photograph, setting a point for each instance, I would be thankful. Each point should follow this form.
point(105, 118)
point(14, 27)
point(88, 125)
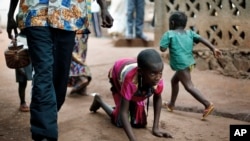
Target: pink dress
point(123, 78)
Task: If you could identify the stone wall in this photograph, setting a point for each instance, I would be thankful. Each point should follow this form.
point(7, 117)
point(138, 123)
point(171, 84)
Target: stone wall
point(233, 63)
point(225, 23)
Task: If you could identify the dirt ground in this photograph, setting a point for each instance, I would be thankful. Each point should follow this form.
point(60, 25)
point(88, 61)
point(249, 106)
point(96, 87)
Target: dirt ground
point(230, 96)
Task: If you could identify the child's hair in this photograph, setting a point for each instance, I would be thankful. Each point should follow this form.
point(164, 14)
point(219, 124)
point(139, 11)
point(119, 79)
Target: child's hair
point(179, 19)
point(147, 57)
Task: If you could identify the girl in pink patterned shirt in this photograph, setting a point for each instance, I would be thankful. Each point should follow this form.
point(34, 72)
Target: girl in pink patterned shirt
point(134, 81)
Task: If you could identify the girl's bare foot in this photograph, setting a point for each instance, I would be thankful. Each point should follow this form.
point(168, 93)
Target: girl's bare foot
point(95, 104)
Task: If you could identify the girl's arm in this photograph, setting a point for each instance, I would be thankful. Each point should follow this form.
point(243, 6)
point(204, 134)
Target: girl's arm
point(217, 53)
point(157, 103)
point(124, 117)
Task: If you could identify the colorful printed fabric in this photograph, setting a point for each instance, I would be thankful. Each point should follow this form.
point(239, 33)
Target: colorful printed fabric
point(78, 70)
point(68, 15)
point(123, 78)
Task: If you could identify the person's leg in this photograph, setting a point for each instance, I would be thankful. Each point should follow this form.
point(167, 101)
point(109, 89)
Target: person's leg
point(43, 107)
point(63, 42)
point(99, 103)
point(96, 24)
point(139, 21)
point(84, 83)
point(174, 91)
point(21, 91)
point(80, 75)
point(81, 84)
point(21, 79)
point(185, 78)
point(130, 18)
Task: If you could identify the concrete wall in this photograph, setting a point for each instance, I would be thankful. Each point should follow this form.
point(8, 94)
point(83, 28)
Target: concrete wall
point(225, 23)
point(4, 7)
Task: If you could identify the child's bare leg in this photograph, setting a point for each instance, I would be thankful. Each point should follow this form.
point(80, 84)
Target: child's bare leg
point(98, 102)
point(185, 78)
point(21, 91)
point(175, 90)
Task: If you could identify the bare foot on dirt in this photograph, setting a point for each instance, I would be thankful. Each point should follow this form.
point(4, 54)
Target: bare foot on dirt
point(96, 104)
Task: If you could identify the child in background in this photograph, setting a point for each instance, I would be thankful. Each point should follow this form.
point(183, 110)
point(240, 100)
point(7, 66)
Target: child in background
point(132, 82)
point(180, 43)
point(22, 76)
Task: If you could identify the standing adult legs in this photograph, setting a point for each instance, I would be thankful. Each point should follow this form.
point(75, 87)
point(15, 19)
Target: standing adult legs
point(63, 42)
point(43, 107)
point(130, 17)
point(96, 24)
point(139, 21)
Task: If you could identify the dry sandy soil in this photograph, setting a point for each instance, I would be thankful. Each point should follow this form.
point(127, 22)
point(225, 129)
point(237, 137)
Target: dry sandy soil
point(76, 123)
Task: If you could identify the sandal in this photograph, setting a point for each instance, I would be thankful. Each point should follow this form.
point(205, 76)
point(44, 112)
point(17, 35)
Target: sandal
point(170, 109)
point(165, 104)
point(208, 111)
point(24, 108)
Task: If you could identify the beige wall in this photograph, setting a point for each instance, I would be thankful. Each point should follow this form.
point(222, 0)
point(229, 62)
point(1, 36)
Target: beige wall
point(4, 7)
point(225, 24)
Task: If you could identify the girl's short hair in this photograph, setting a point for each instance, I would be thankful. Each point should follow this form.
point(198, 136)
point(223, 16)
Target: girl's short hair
point(147, 57)
point(179, 18)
